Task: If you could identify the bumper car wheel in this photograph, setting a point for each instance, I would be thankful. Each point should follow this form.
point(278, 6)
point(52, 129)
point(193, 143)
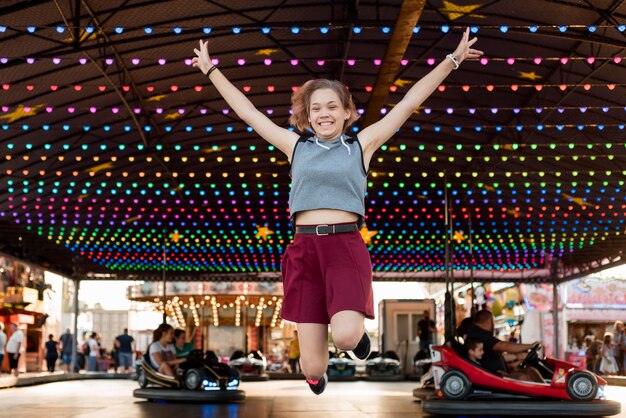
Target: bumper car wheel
point(582, 386)
point(142, 379)
point(455, 385)
point(192, 379)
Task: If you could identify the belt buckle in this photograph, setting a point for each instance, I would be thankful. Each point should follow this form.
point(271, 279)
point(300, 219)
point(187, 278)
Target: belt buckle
point(317, 231)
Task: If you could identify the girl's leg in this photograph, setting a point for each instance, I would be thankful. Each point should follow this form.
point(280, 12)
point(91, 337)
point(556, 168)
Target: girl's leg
point(313, 339)
point(347, 329)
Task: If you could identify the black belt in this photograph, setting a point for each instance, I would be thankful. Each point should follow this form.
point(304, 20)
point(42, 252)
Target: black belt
point(326, 229)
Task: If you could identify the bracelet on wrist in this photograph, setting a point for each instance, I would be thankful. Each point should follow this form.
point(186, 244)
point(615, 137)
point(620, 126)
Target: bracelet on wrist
point(454, 61)
point(213, 68)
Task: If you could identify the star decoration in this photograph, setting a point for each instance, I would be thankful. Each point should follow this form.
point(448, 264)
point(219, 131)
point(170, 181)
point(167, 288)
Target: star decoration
point(416, 111)
point(21, 112)
point(263, 232)
point(530, 75)
point(172, 116)
point(513, 212)
point(84, 36)
point(100, 167)
point(459, 236)
point(367, 235)
point(456, 11)
point(156, 98)
point(175, 237)
point(401, 82)
point(267, 52)
point(578, 200)
point(211, 150)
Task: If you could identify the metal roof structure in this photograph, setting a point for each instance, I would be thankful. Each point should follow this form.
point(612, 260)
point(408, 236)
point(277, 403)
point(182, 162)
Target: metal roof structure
point(115, 151)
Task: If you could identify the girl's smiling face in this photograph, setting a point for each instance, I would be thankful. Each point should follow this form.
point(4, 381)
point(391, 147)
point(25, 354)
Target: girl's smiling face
point(326, 114)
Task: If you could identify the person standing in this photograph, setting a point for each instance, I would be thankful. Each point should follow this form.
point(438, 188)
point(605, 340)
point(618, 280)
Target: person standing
point(14, 347)
point(67, 343)
point(52, 353)
point(125, 345)
point(425, 331)
point(294, 353)
point(3, 342)
point(94, 352)
point(619, 339)
point(327, 269)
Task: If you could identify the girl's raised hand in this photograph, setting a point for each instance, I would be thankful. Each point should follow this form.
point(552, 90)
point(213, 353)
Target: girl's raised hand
point(202, 59)
point(465, 50)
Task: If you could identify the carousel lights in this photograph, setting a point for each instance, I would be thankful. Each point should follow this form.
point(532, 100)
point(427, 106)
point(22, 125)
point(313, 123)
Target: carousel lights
point(259, 312)
point(272, 88)
point(297, 30)
point(275, 316)
point(214, 306)
point(194, 312)
point(438, 129)
point(238, 311)
point(241, 61)
point(426, 111)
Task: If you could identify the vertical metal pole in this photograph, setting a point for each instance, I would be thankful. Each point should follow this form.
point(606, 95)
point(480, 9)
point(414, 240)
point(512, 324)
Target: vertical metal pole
point(164, 286)
point(449, 311)
point(555, 312)
point(202, 327)
point(75, 342)
point(471, 251)
point(244, 322)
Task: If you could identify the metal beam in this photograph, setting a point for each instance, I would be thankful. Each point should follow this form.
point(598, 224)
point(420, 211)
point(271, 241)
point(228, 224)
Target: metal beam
point(410, 13)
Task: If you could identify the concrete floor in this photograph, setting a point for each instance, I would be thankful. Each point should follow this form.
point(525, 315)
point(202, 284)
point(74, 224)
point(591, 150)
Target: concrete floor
point(273, 399)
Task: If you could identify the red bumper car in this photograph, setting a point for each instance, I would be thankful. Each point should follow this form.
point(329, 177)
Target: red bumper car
point(463, 387)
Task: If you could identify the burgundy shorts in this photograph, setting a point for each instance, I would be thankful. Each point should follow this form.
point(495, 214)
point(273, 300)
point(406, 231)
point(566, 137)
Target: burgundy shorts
point(323, 275)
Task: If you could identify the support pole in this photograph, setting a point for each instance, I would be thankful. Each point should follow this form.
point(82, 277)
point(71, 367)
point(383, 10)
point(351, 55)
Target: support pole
point(471, 251)
point(164, 287)
point(555, 313)
point(449, 310)
point(75, 341)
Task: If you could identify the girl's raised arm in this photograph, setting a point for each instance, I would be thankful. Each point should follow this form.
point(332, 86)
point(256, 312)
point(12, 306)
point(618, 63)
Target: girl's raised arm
point(378, 133)
point(281, 138)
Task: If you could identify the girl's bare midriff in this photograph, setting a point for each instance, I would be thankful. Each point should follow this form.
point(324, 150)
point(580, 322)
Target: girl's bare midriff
point(325, 216)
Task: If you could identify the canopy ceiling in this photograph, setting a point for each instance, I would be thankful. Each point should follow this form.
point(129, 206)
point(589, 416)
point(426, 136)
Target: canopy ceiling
point(114, 150)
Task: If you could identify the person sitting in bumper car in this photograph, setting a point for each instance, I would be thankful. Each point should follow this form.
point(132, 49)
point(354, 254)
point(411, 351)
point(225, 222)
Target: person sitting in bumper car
point(162, 351)
point(501, 357)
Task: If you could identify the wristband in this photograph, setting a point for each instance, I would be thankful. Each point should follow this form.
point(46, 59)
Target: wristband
point(208, 73)
point(454, 61)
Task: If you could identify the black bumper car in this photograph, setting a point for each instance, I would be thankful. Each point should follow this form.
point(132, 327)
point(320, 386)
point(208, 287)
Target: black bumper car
point(383, 366)
point(251, 367)
point(200, 379)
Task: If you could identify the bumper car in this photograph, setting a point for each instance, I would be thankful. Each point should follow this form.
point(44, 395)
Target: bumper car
point(383, 366)
point(340, 366)
point(199, 379)
point(251, 367)
point(461, 386)
point(421, 364)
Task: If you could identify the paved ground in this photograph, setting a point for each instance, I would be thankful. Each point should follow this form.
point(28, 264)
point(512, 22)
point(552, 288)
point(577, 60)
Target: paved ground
point(273, 399)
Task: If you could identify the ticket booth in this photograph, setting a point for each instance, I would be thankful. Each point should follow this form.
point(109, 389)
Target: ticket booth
point(397, 324)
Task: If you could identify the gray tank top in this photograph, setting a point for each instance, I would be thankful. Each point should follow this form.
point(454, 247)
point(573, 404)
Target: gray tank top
point(328, 175)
